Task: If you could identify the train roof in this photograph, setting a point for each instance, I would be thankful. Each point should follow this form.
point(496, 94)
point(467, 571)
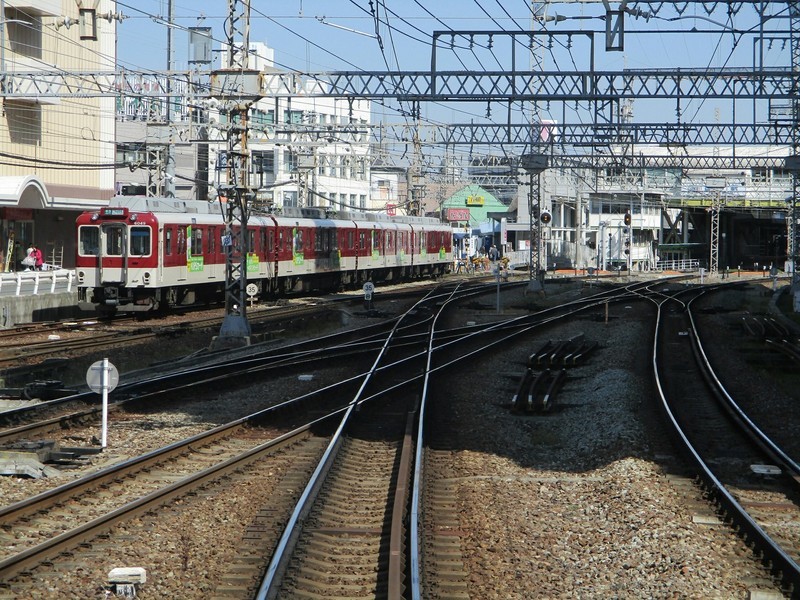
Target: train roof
point(175, 206)
point(165, 205)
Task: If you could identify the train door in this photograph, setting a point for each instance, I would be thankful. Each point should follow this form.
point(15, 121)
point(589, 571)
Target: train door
point(112, 260)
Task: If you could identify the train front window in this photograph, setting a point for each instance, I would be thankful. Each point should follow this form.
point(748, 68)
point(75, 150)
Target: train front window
point(88, 240)
point(140, 241)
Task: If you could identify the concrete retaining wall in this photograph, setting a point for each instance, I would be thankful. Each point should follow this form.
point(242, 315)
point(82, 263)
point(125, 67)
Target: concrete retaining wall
point(18, 310)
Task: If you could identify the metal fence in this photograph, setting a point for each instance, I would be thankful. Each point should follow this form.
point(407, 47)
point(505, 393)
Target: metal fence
point(678, 265)
point(33, 283)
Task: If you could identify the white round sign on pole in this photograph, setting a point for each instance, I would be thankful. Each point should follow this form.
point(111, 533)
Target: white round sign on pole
point(368, 288)
point(94, 377)
point(102, 377)
point(251, 289)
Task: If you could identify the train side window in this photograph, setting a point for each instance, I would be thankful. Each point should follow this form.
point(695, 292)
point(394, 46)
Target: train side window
point(350, 240)
point(89, 240)
point(140, 241)
point(280, 240)
point(298, 240)
point(251, 240)
point(263, 241)
point(318, 240)
point(168, 242)
point(181, 241)
point(197, 242)
point(271, 243)
point(211, 240)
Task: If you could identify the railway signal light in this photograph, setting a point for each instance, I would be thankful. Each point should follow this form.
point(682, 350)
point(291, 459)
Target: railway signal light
point(627, 218)
point(546, 217)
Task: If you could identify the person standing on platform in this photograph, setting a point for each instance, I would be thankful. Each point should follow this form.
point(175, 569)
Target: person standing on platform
point(38, 258)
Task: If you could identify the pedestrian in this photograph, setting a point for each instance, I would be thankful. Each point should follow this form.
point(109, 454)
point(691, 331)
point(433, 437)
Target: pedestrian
point(29, 261)
point(494, 254)
point(38, 258)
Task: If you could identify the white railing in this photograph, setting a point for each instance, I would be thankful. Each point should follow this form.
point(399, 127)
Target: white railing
point(27, 283)
point(678, 265)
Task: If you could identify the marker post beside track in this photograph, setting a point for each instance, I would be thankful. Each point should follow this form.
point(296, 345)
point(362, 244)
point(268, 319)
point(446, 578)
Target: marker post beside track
point(102, 378)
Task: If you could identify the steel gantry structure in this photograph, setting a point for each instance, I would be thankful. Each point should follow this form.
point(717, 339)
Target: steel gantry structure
point(606, 139)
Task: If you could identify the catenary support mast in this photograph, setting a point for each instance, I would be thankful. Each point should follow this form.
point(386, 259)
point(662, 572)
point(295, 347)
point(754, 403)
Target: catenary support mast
point(237, 87)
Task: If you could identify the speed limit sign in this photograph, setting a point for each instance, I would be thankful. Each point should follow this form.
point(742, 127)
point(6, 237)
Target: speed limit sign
point(251, 289)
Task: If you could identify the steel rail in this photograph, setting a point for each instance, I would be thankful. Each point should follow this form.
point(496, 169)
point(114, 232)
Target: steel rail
point(279, 561)
point(69, 539)
point(773, 450)
point(777, 559)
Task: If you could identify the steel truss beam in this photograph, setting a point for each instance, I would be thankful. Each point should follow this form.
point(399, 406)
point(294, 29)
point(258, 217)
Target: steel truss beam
point(495, 86)
point(546, 135)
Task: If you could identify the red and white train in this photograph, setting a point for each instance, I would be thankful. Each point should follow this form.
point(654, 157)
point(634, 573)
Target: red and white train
point(144, 254)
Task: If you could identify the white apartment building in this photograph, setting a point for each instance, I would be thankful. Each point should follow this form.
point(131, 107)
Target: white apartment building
point(304, 150)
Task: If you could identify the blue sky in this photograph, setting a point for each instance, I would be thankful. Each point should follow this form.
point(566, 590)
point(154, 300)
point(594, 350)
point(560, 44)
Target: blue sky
point(335, 35)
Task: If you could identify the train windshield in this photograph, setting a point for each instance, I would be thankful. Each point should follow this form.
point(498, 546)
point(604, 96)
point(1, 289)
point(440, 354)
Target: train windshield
point(140, 241)
point(89, 240)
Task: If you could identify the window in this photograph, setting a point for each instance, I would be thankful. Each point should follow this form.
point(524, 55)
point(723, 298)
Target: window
point(295, 117)
point(353, 201)
point(24, 120)
point(114, 236)
point(88, 240)
point(262, 162)
point(211, 240)
point(140, 241)
point(168, 242)
point(87, 19)
point(289, 161)
point(24, 32)
point(362, 201)
point(289, 199)
point(298, 241)
point(197, 242)
point(262, 117)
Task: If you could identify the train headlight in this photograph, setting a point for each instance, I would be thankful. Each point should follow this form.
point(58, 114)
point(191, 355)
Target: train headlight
point(81, 276)
point(146, 278)
point(95, 216)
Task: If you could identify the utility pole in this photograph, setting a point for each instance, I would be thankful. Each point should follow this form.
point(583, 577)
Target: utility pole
point(237, 88)
point(169, 154)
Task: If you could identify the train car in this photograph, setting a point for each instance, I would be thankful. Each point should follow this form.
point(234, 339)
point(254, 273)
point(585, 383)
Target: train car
point(146, 254)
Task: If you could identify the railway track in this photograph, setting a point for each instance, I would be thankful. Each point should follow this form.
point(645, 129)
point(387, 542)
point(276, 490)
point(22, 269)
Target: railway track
point(445, 349)
point(754, 483)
